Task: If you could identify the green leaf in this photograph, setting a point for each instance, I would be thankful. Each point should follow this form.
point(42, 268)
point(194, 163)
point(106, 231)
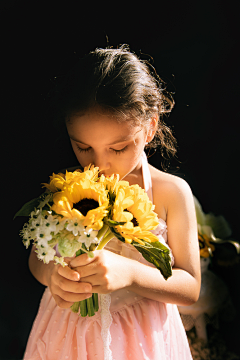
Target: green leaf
point(27, 208)
point(118, 236)
point(157, 254)
point(112, 196)
point(114, 223)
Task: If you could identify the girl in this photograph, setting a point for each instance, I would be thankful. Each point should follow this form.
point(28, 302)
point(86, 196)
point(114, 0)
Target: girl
point(111, 105)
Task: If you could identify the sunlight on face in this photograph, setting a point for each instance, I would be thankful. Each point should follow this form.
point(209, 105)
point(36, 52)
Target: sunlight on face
point(98, 138)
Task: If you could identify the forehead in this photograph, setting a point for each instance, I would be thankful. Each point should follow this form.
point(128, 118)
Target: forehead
point(104, 127)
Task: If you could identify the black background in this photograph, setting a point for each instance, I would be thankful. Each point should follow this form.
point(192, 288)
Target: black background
point(195, 49)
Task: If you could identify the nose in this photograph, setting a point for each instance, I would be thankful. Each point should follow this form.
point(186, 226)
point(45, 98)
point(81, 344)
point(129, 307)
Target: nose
point(102, 162)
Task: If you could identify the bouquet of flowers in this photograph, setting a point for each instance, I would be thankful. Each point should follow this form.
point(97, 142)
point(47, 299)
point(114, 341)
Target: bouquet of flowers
point(81, 211)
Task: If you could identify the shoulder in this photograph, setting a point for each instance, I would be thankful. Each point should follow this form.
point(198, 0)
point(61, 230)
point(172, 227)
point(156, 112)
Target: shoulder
point(169, 191)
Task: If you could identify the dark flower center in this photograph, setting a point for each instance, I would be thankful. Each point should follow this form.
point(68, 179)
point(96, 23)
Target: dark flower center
point(134, 220)
point(85, 205)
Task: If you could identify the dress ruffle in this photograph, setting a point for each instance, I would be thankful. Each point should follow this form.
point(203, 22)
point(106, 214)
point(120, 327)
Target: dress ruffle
point(144, 330)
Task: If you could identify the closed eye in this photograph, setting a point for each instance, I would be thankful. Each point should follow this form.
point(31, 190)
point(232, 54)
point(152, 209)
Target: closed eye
point(114, 150)
point(83, 150)
point(121, 150)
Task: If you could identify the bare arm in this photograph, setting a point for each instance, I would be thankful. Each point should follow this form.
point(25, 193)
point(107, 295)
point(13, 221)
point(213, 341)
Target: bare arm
point(109, 272)
point(39, 270)
point(63, 282)
point(184, 285)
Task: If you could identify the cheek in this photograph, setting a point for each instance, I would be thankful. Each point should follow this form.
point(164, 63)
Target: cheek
point(132, 159)
point(81, 157)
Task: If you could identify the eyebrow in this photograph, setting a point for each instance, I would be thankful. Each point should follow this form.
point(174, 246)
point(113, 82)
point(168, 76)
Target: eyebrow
point(118, 141)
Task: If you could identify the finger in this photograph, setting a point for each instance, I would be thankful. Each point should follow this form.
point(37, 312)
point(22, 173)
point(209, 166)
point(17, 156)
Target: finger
point(93, 280)
point(62, 303)
point(73, 286)
point(82, 260)
point(87, 270)
point(68, 273)
point(71, 297)
point(99, 289)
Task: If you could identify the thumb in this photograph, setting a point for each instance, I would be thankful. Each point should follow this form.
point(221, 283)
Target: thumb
point(82, 260)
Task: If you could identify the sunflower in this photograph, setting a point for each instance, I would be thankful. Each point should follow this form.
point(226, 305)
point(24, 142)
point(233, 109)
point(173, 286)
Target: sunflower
point(59, 181)
point(206, 248)
point(133, 206)
point(85, 200)
point(56, 182)
point(112, 182)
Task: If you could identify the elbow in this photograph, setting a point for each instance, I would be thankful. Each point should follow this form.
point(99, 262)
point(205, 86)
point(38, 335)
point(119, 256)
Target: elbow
point(192, 300)
point(188, 300)
point(191, 294)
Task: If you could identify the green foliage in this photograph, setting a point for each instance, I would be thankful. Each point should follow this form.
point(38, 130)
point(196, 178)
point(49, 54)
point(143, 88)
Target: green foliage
point(27, 208)
point(155, 252)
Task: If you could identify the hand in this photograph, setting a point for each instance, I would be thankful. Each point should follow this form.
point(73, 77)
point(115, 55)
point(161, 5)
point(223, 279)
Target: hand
point(65, 287)
point(106, 271)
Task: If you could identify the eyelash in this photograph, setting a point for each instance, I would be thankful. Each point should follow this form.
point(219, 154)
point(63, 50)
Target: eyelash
point(116, 151)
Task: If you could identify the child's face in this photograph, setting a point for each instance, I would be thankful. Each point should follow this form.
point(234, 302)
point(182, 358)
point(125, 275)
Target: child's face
point(115, 147)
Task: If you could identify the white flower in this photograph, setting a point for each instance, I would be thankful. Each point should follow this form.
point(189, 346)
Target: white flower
point(75, 225)
point(43, 242)
point(89, 237)
point(60, 225)
point(60, 260)
point(43, 238)
point(27, 233)
point(37, 220)
point(50, 224)
point(46, 254)
point(34, 214)
point(26, 242)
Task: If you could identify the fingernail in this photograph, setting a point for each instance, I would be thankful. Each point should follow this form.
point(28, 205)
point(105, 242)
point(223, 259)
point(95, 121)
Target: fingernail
point(77, 276)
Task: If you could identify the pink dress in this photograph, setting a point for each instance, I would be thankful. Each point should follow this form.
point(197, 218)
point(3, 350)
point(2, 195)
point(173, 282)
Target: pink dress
point(141, 329)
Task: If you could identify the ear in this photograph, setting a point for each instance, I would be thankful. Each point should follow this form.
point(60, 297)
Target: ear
point(152, 128)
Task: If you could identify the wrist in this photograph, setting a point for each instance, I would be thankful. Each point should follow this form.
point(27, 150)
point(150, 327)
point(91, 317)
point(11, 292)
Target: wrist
point(48, 273)
point(132, 271)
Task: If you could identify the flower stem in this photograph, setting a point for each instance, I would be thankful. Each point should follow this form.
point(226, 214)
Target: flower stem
point(102, 231)
point(90, 307)
point(95, 302)
point(75, 307)
point(83, 308)
point(109, 235)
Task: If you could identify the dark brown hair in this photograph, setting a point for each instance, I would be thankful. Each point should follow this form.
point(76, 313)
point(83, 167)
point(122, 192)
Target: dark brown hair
point(117, 81)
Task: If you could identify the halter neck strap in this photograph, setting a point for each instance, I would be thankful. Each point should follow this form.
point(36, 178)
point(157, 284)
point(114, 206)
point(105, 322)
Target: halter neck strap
point(147, 180)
